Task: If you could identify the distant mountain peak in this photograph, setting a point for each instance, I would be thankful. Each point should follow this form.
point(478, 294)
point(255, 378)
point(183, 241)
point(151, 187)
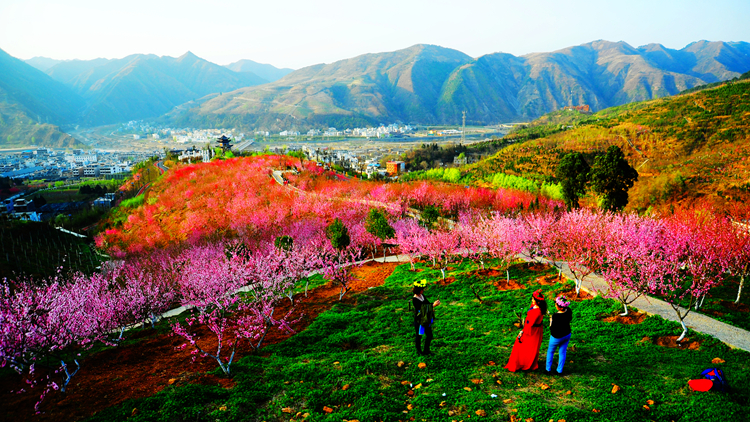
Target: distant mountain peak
point(188, 56)
point(652, 47)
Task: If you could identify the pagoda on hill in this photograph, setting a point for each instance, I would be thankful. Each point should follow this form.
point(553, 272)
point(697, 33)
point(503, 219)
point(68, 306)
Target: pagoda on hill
point(224, 143)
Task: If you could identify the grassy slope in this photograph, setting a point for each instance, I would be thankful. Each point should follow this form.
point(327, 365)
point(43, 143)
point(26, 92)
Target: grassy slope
point(360, 346)
point(684, 147)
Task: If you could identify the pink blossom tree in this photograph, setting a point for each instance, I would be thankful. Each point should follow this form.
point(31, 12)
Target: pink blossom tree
point(209, 285)
point(410, 237)
point(581, 236)
point(506, 238)
point(476, 238)
point(338, 269)
point(689, 267)
point(39, 321)
point(440, 246)
point(627, 263)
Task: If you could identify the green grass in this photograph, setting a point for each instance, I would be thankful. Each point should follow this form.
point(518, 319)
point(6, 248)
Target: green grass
point(369, 338)
point(716, 305)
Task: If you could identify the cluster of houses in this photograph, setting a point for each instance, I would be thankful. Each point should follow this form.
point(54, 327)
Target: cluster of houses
point(143, 131)
point(65, 167)
point(379, 132)
point(52, 165)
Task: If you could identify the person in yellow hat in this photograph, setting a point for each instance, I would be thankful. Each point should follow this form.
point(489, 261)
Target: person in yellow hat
point(424, 317)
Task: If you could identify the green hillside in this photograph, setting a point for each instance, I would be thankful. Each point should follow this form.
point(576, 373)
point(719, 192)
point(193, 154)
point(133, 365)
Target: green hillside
point(401, 85)
point(17, 129)
point(685, 148)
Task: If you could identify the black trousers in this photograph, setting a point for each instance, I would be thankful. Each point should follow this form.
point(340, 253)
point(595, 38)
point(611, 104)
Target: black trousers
point(418, 339)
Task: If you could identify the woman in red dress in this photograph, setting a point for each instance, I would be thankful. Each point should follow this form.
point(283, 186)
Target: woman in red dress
point(525, 354)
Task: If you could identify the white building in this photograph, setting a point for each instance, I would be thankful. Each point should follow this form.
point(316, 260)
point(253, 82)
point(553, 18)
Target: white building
point(110, 169)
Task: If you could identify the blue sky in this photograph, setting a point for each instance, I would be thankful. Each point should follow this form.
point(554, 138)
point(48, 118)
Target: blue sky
point(294, 33)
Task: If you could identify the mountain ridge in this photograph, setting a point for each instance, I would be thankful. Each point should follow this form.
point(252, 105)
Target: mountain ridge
point(433, 85)
point(143, 86)
point(423, 84)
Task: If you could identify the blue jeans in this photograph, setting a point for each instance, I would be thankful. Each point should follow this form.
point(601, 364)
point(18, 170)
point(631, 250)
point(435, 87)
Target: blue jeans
point(554, 343)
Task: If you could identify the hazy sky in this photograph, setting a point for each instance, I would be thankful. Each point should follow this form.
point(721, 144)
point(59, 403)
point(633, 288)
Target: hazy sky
point(298, 33)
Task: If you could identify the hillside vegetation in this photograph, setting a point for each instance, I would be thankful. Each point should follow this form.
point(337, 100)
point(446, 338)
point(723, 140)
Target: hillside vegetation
point(17, 129)
point(684, 148)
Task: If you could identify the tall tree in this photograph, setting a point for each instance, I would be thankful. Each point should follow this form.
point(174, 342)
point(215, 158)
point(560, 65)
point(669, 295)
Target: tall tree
point(377, 225)
point(611, 177)
point(338, 234)
point(573, 174)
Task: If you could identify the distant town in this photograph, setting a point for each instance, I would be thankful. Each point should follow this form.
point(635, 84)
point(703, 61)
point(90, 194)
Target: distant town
point(114, 151)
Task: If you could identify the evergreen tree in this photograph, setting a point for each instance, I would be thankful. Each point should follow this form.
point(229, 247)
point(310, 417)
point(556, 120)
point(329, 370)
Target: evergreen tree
point(611, 177)
point(338, 234)
point(377, 225)
point(284, 243)
point(573, 174)
point(430, 216)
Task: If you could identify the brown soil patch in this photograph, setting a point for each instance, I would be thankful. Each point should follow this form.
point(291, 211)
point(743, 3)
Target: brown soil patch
point(548, 280)
point(713, 312)
point(671, 342)
point(508, 285)
point(630, 319)
point(109, 377)
point(737, 307)
point(535, 266)
point(447, 281)
point(489, 272)
point(372, 274)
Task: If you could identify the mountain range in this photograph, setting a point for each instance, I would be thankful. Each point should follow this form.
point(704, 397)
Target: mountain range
point(433, 85)
point(423, 84)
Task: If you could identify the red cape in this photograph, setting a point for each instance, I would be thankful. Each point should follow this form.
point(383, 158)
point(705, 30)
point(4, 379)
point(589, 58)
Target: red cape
point(525, 354)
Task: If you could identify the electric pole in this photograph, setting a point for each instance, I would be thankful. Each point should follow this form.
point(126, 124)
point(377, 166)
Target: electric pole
point(463, 128)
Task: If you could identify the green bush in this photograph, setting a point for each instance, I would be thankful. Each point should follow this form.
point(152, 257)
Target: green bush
point(133, 202)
